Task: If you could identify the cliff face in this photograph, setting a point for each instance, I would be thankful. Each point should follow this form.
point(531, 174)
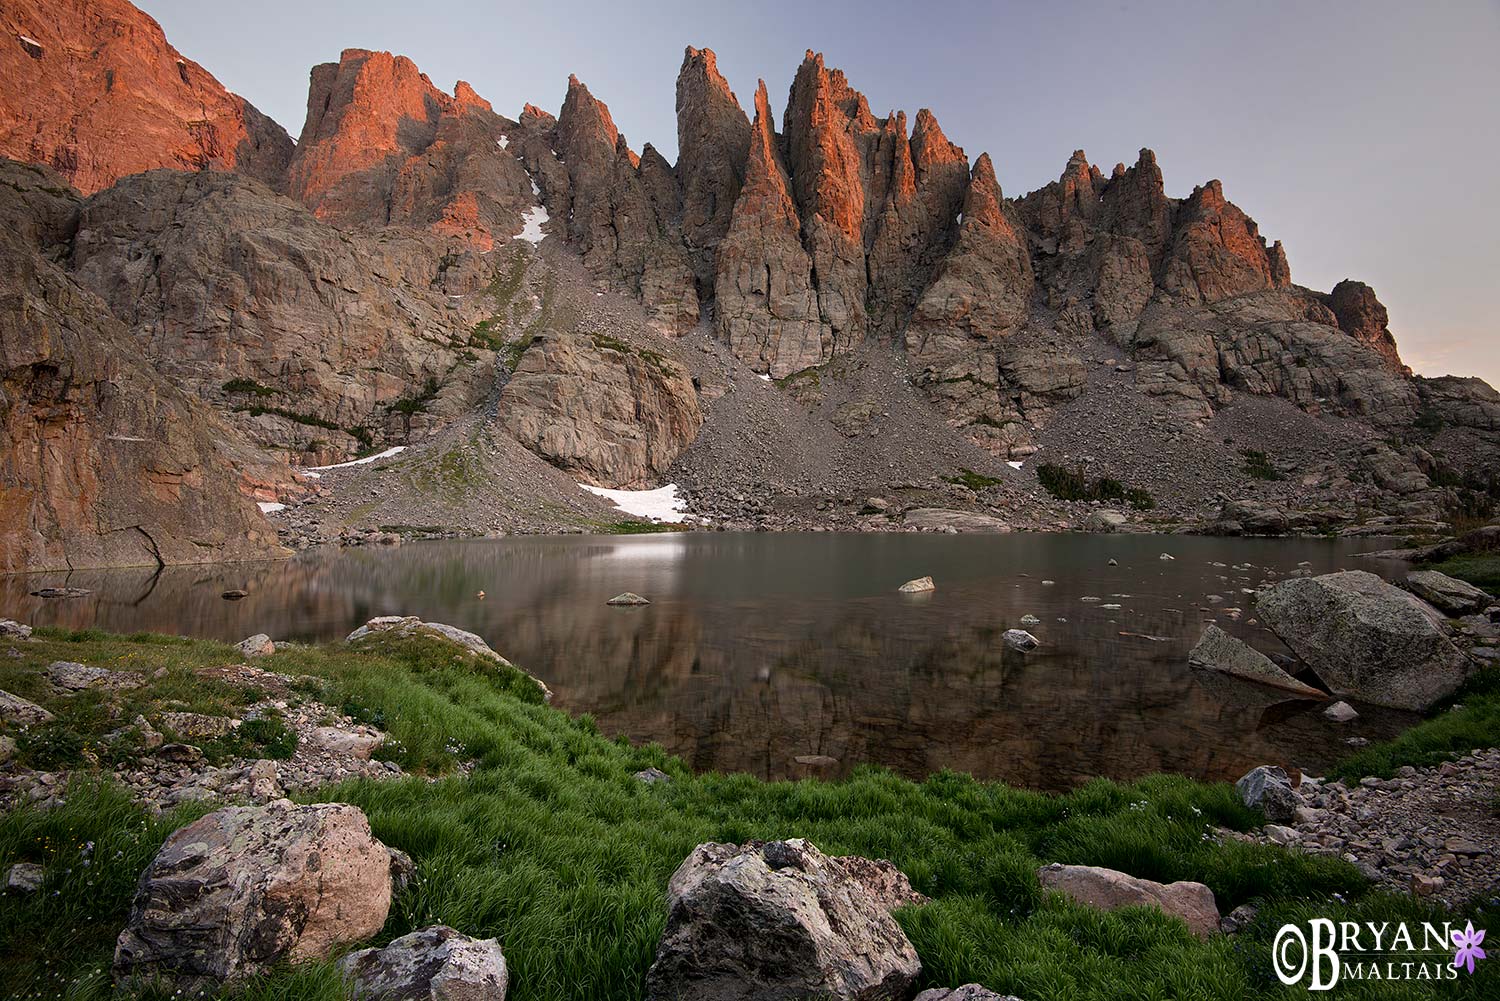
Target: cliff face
point(108, 463)
point(92, 89)
point(419, 261)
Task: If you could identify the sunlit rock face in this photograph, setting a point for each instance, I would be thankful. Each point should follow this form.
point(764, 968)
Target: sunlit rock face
point(93, 90)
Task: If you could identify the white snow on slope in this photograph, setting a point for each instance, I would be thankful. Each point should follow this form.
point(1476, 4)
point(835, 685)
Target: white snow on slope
point(531, 225)
point(503, 141)
point(317, 471)
point(270, 507)
point(661, 504)
point(1014, 464)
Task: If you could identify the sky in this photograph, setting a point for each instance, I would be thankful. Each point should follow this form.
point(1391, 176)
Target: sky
point(1363, 134)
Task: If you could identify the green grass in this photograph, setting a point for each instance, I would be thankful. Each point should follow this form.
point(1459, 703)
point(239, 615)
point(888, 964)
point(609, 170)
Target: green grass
point(552, 846)
point(974, 481)
point(248, 386)
point(1074, 485)
point(1258, 465)
point(1480, 569)
point(641, 527)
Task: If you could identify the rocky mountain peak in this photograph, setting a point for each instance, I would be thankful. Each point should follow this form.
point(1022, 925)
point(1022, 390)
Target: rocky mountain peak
point(1362, 316)
point(929, 146)
point(713, 141)
point(96, 93)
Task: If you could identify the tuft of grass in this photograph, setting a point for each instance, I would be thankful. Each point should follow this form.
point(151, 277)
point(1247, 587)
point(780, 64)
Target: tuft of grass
point(551, 845)
point(248, 386)
point(974, 481)
point(1467, 722)
point(1258, 466)
point(1074, 485)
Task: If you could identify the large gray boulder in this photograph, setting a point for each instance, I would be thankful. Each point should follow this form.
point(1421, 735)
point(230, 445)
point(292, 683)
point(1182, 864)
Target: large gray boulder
point(433, 964)
point(244, 888)
point(1108, 889)
point(1366, 638)
point(407, 626)
point(1219, 651)
point(22, 712)
point(780, 920)
point(968, 992)
point(1268, 788)
point(1447, 594)
point(69, 677)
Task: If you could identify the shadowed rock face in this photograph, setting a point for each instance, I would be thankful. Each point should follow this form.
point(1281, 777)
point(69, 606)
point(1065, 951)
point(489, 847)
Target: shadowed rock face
point(1362, 317)
point(625, 212)
point(93, 90)
point(713, 144)
point(611, 414)
point(109, 463)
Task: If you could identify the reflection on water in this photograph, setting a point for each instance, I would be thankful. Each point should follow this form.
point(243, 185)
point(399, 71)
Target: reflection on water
point(759, 650)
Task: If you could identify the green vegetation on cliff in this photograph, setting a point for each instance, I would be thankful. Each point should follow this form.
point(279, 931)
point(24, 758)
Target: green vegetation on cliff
point(551, 845)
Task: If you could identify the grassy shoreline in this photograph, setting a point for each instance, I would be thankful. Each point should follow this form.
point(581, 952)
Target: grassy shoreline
point(553, 847)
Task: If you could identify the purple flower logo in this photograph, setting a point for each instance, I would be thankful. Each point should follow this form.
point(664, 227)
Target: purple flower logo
point(1467, 942)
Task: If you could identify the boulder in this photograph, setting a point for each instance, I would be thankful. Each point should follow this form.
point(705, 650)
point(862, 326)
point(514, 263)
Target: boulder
point(7, 749)
point(1219, 651)
point(259, 645)
point(651, 776)
point(943, 519)
point(24, 877)
point(1341, 712)
point(1267, 788)
point(1108, 889)
point(71, 677)
point(1020, 639)
point(244, 888)
point(968, 992)
point(359, 742)
point(433, 964)
point(781, 920)
point(1105, 520)
point(628, 598)
point(410, 625)
point(12, 630)
point(21, 712)
point(1366, 638)
point(1446, 594)
point(918, 584)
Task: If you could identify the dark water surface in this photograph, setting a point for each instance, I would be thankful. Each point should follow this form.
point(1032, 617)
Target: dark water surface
point(763, 649)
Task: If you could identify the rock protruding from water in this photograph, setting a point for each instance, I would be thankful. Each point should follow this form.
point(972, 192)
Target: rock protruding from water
point(918, 585)
point(628, 598)
point(1268, 789)
point(436, 963)
point(1447, 594)
point(781, 919)
point(1219, 651)
point(244, 888)
point(1020, 639)
point(1108, 890)
point(1366, 638)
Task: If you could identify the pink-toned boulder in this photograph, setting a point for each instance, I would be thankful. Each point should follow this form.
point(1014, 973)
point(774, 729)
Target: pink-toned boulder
point(1108, 890)
point(244, 888)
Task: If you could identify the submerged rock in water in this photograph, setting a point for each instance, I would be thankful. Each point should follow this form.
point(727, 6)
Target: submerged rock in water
point(781, 919)
point(234, 594)
point(1108, 890)
point(1020, 639)
point(1366, 638)
point(918, 585)
point(61, 592)
point(628, 598)
point(1219, 651)
point(433, 964)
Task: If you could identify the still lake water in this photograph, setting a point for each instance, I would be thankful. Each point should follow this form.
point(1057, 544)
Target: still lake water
point(762, 649)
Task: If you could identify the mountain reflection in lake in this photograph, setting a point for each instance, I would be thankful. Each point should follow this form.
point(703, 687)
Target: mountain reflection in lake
point(786, 655)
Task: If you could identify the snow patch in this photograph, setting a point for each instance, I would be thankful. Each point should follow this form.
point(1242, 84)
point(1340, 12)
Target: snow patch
point(531, 225)
point(534, 189)
point(764, 375)
point(269, 507)
point(661, 504)
point(1014, 464)
point(503, 141)
point(316, 472)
